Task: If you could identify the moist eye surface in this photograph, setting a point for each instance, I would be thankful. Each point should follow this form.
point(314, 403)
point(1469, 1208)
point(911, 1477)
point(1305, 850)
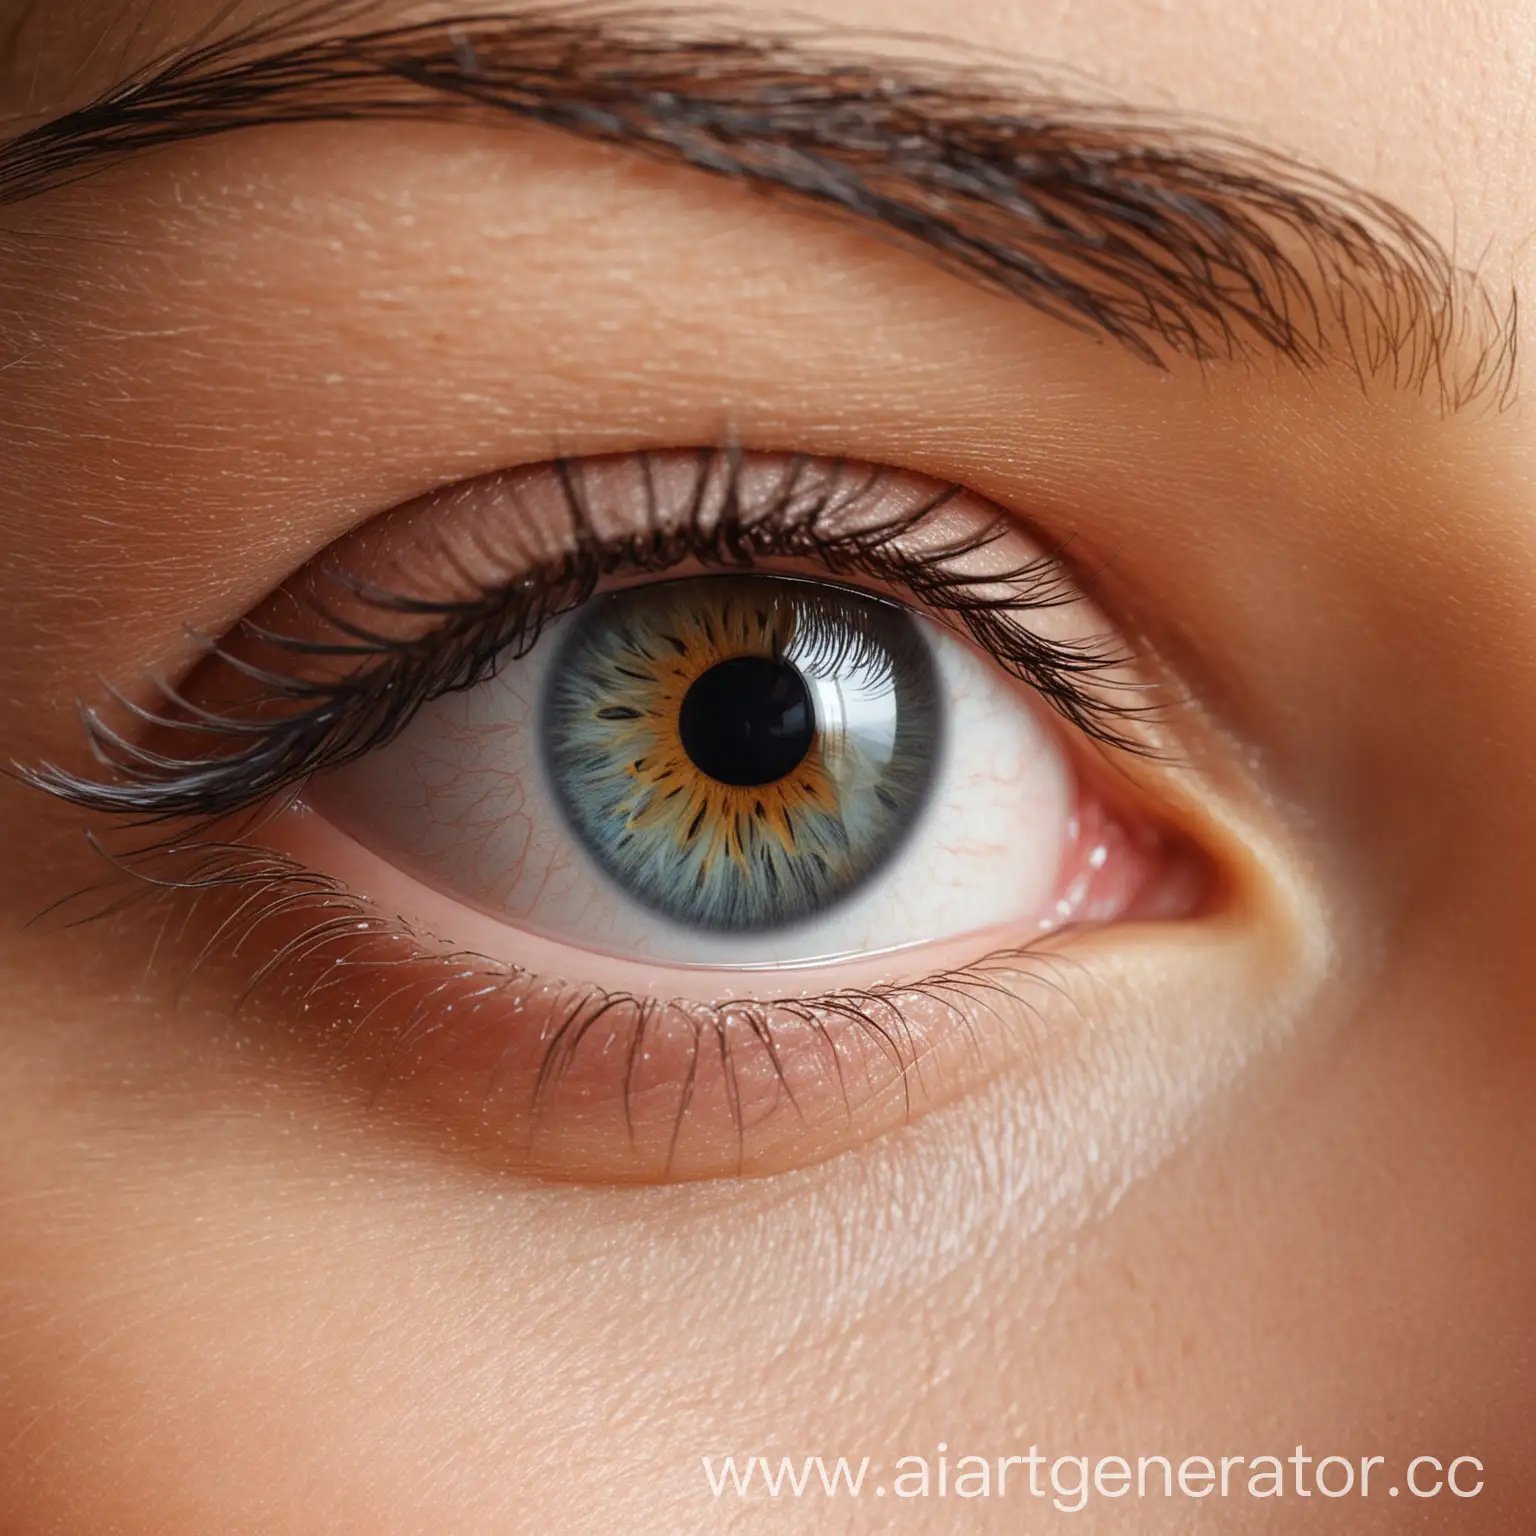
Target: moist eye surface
point(741, 753)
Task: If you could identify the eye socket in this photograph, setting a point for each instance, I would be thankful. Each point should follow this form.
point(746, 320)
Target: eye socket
point(461, 728)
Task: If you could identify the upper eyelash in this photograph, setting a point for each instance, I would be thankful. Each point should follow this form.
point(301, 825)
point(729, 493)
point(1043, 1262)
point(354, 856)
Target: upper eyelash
point(341, 719)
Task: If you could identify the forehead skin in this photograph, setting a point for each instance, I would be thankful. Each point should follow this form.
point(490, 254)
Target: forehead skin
point(427, 1353)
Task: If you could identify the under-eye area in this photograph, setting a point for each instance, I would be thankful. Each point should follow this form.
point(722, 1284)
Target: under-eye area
point(659, 815)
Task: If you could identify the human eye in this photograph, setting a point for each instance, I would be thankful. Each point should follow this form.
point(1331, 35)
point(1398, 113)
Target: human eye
point(661, 814)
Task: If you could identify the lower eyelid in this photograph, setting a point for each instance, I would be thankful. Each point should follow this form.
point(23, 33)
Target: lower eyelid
point(543, 1059)
point(640, 1072)
point(585, 1082)
point(316, 842)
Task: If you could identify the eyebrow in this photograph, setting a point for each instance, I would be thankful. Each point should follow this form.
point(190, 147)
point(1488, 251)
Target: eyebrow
point(1170, 238)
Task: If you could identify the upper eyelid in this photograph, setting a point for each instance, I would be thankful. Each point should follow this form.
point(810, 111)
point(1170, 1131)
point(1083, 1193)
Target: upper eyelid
point(1170, 239)
point(359, 710)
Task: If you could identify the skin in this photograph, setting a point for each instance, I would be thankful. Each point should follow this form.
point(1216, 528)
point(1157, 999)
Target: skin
point(1270, 1185)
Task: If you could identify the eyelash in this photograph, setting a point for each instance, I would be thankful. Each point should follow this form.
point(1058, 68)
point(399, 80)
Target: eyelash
point(370, 992)
point(303, 725)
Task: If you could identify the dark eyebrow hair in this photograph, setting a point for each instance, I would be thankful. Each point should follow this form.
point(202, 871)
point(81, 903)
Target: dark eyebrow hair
point(1171, 238)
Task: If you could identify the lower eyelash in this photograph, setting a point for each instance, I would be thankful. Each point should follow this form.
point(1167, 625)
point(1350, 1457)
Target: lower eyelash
point(332, 948)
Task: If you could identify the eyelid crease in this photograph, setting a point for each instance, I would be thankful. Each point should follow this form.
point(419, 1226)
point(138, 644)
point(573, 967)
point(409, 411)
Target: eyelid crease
point(303, 724)
point(1168, 237)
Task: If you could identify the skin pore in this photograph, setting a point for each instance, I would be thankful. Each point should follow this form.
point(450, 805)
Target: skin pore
point(1261, 1178)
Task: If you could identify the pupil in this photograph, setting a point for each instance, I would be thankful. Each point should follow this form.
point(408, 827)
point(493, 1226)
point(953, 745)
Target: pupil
point(747, 721)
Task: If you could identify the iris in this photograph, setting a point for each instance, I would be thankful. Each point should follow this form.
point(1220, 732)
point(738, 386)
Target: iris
point(740, 753)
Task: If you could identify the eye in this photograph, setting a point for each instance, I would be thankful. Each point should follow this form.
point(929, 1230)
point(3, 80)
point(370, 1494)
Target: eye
point(667, 815)
point(728, 770)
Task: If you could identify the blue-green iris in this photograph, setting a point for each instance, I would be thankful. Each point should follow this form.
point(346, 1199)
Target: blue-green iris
point(740, 753)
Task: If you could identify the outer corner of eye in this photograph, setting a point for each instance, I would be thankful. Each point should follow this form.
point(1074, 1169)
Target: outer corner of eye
point(726, 870)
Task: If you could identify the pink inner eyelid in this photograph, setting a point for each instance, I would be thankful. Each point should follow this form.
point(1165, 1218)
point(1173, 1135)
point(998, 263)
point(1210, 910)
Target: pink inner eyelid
point(1110, 869)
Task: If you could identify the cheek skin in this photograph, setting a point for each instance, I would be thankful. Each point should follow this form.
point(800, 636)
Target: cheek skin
point(449, 1335)
point(310, 1250)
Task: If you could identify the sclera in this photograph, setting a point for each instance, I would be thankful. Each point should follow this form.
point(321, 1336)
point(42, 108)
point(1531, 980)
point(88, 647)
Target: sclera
point(461, 801)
